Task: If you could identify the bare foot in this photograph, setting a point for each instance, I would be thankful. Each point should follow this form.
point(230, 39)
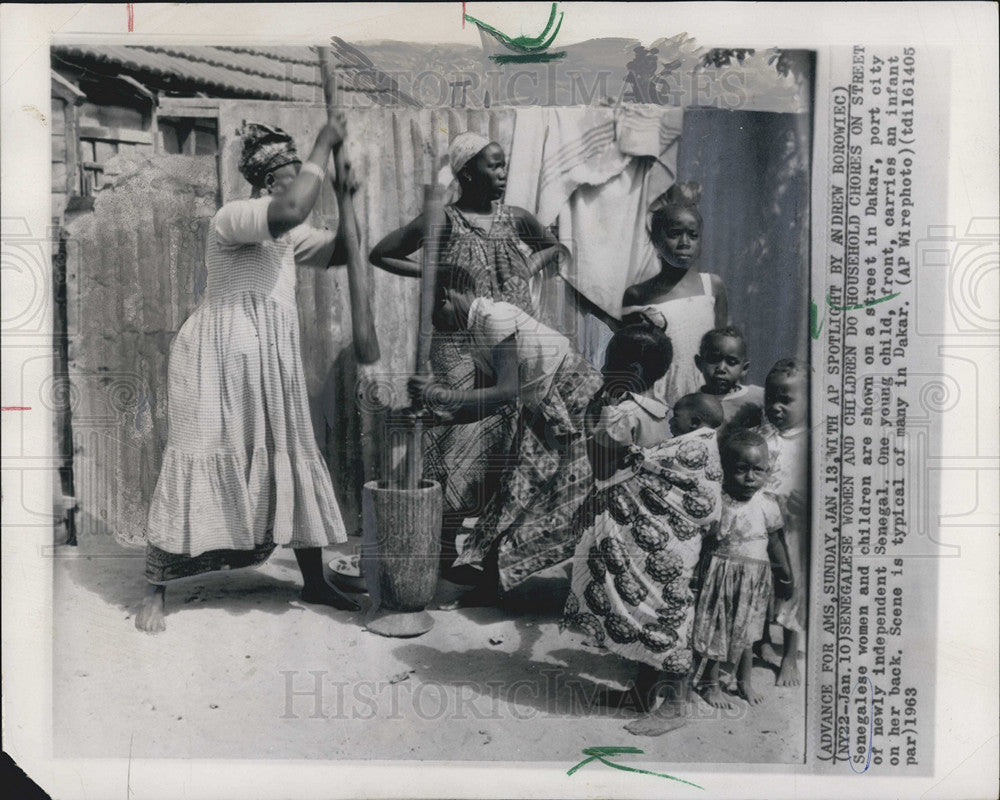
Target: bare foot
point(788, 675)
point(668, 717)
point(150, 616)
point(326, 595)
point(623, 700)
point(714, 696)
point(748, 693)
point(765, 651)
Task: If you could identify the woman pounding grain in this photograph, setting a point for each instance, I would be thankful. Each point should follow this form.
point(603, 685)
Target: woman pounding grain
point(241, 471)
point(501, 247)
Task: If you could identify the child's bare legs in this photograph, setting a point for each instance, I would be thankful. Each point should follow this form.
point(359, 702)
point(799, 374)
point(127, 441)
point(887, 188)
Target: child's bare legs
point(788, 674)
point(315, 588)
point(671, 713)
point(711, 692)
point(150, 616)
point(744, 682)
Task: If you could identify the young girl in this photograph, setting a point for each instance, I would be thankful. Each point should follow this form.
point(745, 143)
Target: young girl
point(525, 526)
point(786, 390)
point(732, 605)
point(691, 301)
point(502, 247)
point(642, 528)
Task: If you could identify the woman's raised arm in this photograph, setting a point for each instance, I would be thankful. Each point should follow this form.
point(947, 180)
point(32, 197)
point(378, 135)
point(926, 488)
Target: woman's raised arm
point(292, 208)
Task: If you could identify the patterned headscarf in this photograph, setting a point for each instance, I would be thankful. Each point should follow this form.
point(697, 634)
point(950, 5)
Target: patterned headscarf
point(265, 149)
point(465, 147)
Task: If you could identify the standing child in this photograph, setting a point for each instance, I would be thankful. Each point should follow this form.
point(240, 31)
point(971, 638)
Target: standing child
point(722, 360)
point(786, 392)
point(642, 529)
point(692, 302)
point(525, 525)
point(732, 606)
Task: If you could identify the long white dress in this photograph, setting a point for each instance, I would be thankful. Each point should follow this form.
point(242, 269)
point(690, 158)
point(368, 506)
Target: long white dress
point(688, 319)
point(241, 469)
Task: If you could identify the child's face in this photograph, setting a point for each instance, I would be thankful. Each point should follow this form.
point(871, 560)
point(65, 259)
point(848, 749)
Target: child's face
point(678, 238)
point(744, 469)
point(488, 171)
point(785, 402)
point(451, 312)
point(723, 362)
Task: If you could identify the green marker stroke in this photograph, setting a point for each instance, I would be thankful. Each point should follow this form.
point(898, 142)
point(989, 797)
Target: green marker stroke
point(814, 329)
point(523, 45)
point(600, 753)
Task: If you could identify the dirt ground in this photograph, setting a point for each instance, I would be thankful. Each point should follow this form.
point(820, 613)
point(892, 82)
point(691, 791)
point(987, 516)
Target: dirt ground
point(245, 670)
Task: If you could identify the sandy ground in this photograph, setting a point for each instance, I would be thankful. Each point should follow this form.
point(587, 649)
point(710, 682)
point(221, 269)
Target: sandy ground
point(244, 670)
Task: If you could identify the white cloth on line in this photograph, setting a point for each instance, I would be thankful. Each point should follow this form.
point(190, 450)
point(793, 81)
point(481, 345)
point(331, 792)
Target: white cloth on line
point(591, 169)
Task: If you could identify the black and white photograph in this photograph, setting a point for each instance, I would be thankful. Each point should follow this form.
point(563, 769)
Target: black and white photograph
point(504, 393)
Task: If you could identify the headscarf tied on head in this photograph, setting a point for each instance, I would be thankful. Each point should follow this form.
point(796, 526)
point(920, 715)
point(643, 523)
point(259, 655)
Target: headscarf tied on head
point(265, 149)
point(465, 147)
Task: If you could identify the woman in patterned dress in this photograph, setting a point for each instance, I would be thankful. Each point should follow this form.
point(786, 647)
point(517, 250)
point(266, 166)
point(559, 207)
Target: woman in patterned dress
point(241, 471)
point(526, 525)
point(501, 247)
point(642, 531)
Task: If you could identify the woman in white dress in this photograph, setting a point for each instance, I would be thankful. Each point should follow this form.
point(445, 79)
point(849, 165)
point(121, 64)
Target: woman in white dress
point(241, 471)
point(692, 302)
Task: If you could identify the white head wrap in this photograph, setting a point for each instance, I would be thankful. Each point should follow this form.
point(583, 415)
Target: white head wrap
point(465, 147)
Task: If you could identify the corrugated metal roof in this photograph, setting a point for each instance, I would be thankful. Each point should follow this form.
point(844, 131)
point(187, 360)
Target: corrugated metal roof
point(278, 73)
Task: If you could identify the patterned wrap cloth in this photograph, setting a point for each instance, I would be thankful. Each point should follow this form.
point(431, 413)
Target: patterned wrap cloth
point(468, 460)
point(529, 519)
point(641, 539)
point(265, 149)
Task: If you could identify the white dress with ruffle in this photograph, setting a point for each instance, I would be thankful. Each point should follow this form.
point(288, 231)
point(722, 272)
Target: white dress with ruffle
point(241, 469)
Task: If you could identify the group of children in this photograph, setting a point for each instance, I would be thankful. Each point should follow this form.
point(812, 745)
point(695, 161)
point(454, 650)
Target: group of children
point(686, 532)
point(692, 539)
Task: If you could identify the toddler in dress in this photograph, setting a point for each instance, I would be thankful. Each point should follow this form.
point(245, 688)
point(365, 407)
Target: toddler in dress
point(786, 391)
point(732, 606)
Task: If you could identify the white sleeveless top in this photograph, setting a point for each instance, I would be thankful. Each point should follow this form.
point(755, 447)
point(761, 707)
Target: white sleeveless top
point(688, 319)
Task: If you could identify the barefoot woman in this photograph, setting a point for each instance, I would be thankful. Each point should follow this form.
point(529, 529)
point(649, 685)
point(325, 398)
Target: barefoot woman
point(241, 471)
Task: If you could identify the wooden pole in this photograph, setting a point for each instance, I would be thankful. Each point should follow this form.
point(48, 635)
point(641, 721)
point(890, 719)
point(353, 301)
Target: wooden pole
point(433, 220)
point(366, 348)
point(362, 320)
